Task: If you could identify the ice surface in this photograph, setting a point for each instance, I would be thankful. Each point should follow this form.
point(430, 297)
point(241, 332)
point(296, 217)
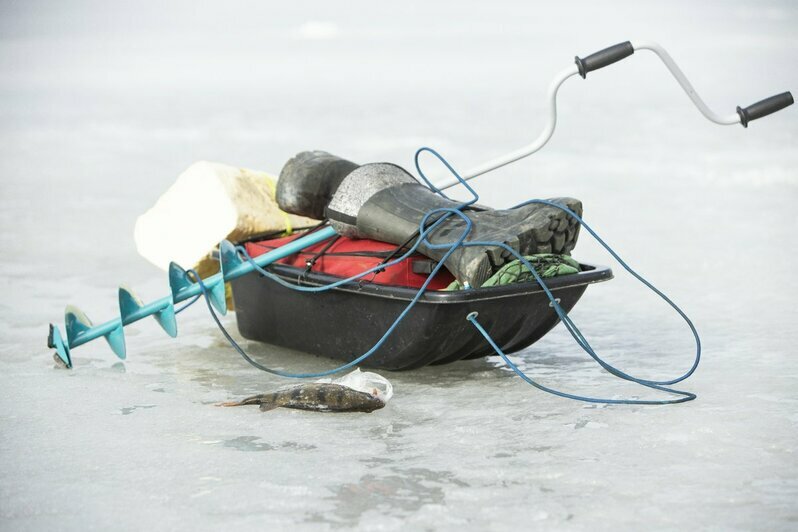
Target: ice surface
point(103, 104)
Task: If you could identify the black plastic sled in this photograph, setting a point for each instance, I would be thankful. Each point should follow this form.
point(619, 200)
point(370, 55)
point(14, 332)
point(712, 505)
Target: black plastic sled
point(345, 322)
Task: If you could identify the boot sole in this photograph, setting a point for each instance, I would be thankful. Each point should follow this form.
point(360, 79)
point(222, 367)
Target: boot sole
point(548, 230)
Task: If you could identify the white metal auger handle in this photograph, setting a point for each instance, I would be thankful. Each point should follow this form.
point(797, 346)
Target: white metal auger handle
point(607, 57)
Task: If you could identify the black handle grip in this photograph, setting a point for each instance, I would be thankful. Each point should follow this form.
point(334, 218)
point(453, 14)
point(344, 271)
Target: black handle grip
point(603, 58)
point(765, 107)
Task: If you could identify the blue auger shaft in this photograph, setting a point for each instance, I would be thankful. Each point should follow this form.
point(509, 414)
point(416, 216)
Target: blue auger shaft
point(231, 268)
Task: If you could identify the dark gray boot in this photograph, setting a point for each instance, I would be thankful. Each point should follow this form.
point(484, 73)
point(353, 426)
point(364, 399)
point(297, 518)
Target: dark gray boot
point(308, 181)
point(383, 202)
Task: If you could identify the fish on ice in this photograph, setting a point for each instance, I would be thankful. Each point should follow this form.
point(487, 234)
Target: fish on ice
point(355, 392)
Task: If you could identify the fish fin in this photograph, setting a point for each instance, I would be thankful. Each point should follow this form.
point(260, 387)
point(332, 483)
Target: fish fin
point(265, 407)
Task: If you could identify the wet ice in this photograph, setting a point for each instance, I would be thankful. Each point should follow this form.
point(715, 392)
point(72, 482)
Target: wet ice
point(97, 121)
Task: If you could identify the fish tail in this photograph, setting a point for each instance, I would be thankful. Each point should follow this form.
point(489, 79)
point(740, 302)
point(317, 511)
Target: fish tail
point(254, 400)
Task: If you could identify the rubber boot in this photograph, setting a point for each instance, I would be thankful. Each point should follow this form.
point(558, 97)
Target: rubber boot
point(309, 180)
point(383, 202)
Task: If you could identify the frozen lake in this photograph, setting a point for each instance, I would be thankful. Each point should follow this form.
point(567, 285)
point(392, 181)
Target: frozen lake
point(102, 107)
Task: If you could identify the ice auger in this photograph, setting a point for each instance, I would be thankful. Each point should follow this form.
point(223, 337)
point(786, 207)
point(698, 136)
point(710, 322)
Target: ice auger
point(80, 330)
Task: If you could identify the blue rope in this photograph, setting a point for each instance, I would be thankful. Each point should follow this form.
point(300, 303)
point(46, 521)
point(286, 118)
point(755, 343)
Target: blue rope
point(184, 307)
point(577, 333)
point(451, 247)
point(448, 167)
point(687, 396)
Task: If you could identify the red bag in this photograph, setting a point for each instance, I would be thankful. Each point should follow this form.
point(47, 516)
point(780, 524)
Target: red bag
point(347, 257)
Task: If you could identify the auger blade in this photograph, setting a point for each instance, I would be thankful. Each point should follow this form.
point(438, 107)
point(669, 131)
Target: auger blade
point(78, 324)
point(229, 258)
point(178, 281)
point(116, 339)
point(54, 341)
point(130, 304)
point(166, 319)
point(218, 296)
